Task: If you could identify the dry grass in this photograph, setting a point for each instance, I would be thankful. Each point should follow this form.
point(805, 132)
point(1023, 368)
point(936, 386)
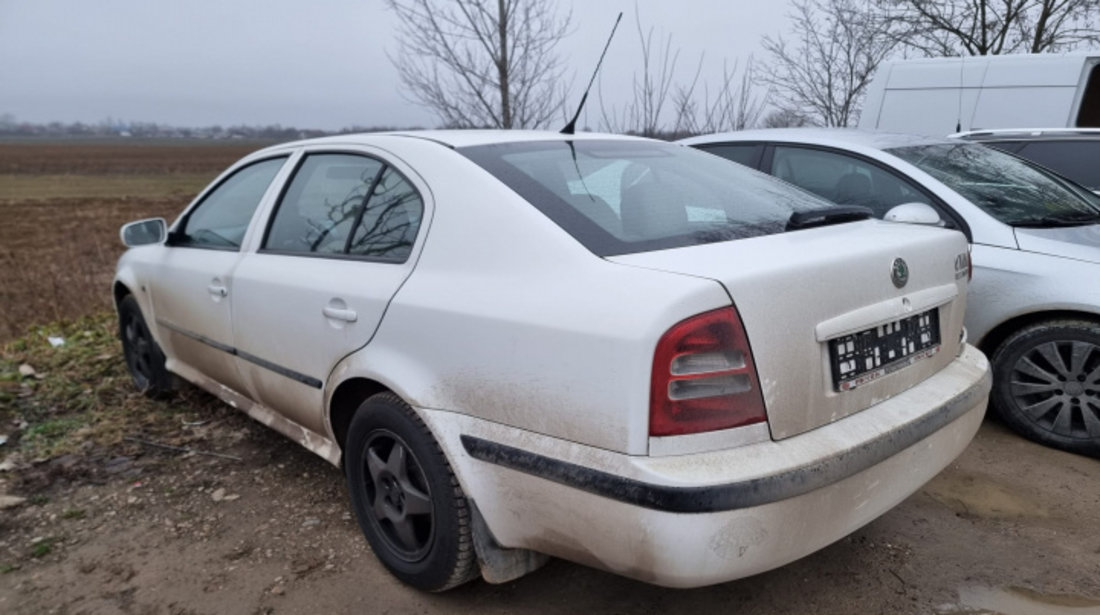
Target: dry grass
point(61, 206)
point(18, 188)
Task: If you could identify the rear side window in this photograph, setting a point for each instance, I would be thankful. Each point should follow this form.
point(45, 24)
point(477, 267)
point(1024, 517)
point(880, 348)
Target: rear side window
point(388, 227)
point(223, 216)
point(322, 203)
point(620, 197)
point(844, 179)
point(346, 205)
point(1077, 160)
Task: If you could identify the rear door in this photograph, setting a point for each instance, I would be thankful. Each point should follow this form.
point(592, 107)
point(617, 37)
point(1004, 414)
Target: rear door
point(336, 248)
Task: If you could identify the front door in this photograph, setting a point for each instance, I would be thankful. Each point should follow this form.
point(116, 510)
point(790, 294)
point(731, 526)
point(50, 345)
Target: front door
point(192, 285)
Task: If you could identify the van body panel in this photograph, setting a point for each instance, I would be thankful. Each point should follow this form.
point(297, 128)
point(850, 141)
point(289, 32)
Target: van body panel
point(936, 96)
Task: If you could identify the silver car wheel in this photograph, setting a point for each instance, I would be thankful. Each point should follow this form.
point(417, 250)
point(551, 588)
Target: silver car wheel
point(1057, 385)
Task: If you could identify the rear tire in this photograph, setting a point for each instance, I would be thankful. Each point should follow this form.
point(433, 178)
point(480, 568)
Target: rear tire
point(1046, 384)
point(406, 498)
point(144, 359)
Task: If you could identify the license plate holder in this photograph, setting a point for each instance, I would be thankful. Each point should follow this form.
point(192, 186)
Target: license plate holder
point(862, 357)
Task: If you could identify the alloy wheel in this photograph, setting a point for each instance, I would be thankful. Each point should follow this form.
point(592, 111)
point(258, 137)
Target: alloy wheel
point(1056, 385)
point(399, 496)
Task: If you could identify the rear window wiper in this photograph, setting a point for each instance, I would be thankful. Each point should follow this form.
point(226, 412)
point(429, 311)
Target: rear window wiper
point(827, 215)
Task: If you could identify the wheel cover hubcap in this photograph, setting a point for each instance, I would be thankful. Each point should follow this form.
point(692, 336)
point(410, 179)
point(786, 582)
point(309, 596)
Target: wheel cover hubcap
point(398, 495)
point(1056, 385)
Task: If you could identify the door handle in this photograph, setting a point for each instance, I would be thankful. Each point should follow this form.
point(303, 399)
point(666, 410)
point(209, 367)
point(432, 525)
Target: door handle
point(345, 315)
point(217, 290)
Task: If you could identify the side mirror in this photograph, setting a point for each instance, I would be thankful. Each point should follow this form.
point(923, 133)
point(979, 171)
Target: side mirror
point(144, 232)
point(914, 213)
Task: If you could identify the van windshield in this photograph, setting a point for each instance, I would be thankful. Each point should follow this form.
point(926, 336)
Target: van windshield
point(620, 196)
point(1007, 188)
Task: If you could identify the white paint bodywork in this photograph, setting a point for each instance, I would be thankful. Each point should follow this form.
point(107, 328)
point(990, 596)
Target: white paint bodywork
point(936, 96)
point(502, 326)
point(1017, 272)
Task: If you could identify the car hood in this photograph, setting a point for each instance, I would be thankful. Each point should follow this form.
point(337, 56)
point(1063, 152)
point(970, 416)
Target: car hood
point(1077, 242)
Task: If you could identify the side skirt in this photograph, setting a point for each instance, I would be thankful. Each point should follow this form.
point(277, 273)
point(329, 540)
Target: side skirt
point(312, 441)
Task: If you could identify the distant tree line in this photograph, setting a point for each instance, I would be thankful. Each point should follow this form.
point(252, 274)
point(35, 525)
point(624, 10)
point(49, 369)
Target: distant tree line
point(10, 126)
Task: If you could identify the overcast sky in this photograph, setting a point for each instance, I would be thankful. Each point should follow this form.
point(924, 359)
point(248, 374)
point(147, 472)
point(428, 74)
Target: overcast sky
point(309, 64)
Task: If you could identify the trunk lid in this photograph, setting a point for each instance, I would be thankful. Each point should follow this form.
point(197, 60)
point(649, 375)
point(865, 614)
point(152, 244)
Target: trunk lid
point(796, 291)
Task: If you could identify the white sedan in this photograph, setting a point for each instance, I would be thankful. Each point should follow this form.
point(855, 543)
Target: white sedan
point(622, 352)
point(1035, 297)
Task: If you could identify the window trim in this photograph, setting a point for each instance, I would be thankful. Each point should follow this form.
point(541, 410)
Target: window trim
point(175, 236)
point(344, 256)
point(937, 203)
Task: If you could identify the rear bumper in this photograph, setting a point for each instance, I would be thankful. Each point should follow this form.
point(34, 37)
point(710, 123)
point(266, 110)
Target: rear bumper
point(693, 520)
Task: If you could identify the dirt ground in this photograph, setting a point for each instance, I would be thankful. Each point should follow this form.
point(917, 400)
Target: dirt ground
point(1010, 528)
point(120, 526)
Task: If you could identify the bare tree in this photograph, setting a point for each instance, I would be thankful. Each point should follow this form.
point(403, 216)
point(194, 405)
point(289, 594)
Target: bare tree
point(990, 27)
point(643, 115)
point(734, 104)
point(482, 63)
point(785, 118)
point(693, 108)
point(823, 72)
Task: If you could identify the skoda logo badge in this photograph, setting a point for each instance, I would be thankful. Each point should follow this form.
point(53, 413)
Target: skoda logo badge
point(899, 273)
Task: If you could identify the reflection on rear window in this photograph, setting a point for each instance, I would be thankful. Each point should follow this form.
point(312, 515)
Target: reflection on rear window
point(619, 197)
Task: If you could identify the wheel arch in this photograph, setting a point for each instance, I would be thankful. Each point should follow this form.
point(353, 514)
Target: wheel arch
point(119, 291)
point(998, 334)
point(345, 400)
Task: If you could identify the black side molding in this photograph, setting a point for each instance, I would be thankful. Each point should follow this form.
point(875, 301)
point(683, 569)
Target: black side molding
point(729, 496)
point(309, 381)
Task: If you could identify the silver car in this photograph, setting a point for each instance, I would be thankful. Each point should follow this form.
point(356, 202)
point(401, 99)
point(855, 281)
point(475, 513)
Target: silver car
point(1035, 296)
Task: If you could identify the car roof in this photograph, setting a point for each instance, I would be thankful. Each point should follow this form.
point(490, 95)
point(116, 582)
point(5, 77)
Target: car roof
point(457, 138)
point(819, 136)
point(1028, 134)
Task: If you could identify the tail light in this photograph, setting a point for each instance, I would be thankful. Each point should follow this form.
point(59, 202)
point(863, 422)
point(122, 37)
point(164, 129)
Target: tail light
point(704, 377)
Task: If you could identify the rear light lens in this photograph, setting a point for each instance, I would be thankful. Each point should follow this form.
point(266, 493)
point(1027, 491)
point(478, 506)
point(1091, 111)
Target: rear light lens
point(704, 377)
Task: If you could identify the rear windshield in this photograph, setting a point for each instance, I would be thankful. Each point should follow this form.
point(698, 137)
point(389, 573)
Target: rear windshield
point(1009, 189)
point(621, 197)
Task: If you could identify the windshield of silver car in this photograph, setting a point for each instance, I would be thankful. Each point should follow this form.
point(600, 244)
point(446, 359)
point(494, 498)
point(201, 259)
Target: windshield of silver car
point(1007, 188)
point(621, 197)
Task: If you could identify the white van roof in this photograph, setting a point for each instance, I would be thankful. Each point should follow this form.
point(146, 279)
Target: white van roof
point(1039, 69)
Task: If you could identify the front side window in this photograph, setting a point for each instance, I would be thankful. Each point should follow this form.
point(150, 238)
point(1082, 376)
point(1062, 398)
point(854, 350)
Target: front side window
point(621, 197)
point(223, 216)
point(1076, 160)
point(1011, 190)
point(845, 180)
point(322, 203)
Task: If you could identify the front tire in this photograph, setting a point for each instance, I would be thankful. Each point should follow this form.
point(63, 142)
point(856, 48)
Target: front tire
point(144, 358)
point(1047, 384)
point(406, 498)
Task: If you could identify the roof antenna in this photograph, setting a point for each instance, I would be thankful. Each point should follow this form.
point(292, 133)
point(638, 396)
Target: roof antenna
point(570, 128)
point(958, 117)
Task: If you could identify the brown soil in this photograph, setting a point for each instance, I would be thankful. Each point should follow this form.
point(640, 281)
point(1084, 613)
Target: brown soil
point(142, 530)
point(118, 526)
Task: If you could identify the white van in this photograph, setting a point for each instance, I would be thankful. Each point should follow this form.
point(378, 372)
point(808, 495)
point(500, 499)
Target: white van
point(937, 96)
